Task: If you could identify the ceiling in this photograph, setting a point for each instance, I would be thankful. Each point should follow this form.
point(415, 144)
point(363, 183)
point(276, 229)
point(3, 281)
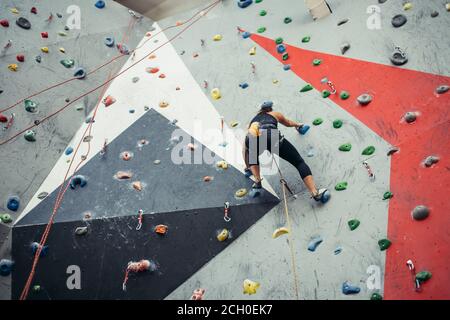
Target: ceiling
point(160, 9)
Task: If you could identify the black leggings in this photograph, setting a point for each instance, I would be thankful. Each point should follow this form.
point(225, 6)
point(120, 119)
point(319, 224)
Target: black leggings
point(286, 151)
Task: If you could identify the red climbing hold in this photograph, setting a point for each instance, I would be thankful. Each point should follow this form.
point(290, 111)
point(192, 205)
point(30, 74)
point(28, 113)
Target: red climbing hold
point(162, 76)
point(108, 101)
point(20, 58)
point(44, 35)
point(33, 10)
point(4, 23)
point(3, 118)
point(152, 70)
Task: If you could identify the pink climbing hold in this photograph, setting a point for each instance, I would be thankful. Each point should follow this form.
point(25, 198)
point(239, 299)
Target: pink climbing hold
point(198, 294)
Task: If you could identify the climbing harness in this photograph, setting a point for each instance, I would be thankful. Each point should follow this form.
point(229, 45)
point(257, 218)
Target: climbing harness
point(369, 171)
point(412, 269)
point(135, 267)
point(140, 216)
point(226, 209)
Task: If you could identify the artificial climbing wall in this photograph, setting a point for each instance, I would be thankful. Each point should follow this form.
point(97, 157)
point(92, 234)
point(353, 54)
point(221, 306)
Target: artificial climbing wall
point(343, 255)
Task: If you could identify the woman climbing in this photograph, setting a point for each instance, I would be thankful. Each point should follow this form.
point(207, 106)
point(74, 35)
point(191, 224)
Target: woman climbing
point(264, 126)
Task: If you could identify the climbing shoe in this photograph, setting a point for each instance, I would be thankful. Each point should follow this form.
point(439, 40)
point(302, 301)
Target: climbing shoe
point(257, 185)
point(323, 195)
point(248, 173)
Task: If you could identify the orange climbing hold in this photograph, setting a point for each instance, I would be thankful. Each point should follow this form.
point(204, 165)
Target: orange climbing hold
point(122, 175)
point(109, 100)
point(161, 229)
point(137, 185)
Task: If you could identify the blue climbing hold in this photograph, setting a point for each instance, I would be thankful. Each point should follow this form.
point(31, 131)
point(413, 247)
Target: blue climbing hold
point(109, 41)
point(80, 73)
point(337, 250)
point(78, 180)
point(69, 150)
point(281, 48)
point(303, 129)
point(6, 267)
point(314, 243)
point(100, 4)
point(325, 197)
point(349, 289)
point(287, 67)
point(267, 105)
point(243, 85)
point(36, 245)
point(244, 3)
point(246, 34)
point(13, 203)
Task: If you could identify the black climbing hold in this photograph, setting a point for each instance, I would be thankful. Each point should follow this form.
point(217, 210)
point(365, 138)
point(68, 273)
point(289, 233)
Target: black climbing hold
point(345, 47)
point(410, 117)
point(38, 59)
point(13, 203)
point(79, 73)
point(42, 195)
point(287, 20)
point(6, 266)
point(347, 288)
point(381, 1)
point(109, 41)
point(420, 212)
point(341, 22)
point(442, 89)
point(353, 224)
point(80, 231)
point(398, 57)
point(314, 243)
point(434, 14)
point(23, 23)
point(59, 15)
point(78, 180)
point(35, 246)
point(430, 160)
point(384, 244)
point(392, 151)
point(364, 99)
point(399, 20)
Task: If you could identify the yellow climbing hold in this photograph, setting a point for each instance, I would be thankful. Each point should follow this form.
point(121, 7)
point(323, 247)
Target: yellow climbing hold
point(163, 104)
point(250, 286)
point(44, 49)
point(215, 94)
point(252, 51)
point(275, 81)
point(13, 67)
point(447, 6)
point(279, 232)
point(407, 6)
point(223, 235)
point(217, 37)
point(62, 50)
point(14, 10)
point(241, 192)
point(222, 164)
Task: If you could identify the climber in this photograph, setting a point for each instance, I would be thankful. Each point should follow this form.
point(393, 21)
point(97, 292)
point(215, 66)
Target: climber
point(265, 125)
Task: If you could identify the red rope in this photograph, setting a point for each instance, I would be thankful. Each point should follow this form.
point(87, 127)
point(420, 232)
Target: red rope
point(62, 192)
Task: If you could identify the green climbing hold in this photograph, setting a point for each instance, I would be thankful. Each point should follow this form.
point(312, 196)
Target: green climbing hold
point(384, 244)
point(306, 88)
point(258, 1)
point(30, 135)
point(317, 121)
point(341, 186)
point(423, 276)
point(6, 218)
point(353, 224)
point(262, 13)
point(279, 40)
point(337, 124)
point(317, 62)
point(287, 20)
point(306, 39)
point(368, 151)
point(285, 56)
point(68, 63)
point(345, 95)
point(376, 296)
point(36, 288)
point(31, 106)
point(261, 29)
point(325, 93)
point(345, 147)
point(387, 195)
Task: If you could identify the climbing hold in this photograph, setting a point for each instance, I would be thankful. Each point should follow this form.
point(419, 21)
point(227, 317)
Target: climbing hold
point(252, 51)
point(6, 218)
point(208, 178)
point(287, 20)
point(314, 243)
point(23, 23)
point(364, 99)
point(244, 3)
point(337, 124)
point(442, 89)
point(250, 286)
point(222, 164)
point(275, 81)
point(126, 155)
point(303, 129)
point(241, 192)
point(392, 150)
point(44, 35)
point(20, 58)
point(341, 22)
point(135, 267)
point(31, 106)
point(223, 235)
point(376, 296)
point(368, 151)
point(258, 1)
point(122, 175)
point(384, 244)
point(3, 118)
point(306, 39)
point(4, 23)
point(157, 162)
point(109, 41)
point(287, 67)
point(79, 73)
point(262, 13)
point(123, 49)
point(345, 147)
point(280, 231)
point(337, 250)
point(341, 186)
point(281, 48)
point(6, 266)
point(410, 117)
point(387, 195)
point(420, 212)
point(13, 67)
point(87, 138)
point(243, 85)
point(215, 94)
point(68, 151)
point(430, 160)
point(285, 56)
point(45, 49)
point(35, 246)
point(423, 276)
point(347, 288)
point(100, 4)
point(399, 20)
point(38, 59)
point(344, 95)
point(279, 40)
point(234, 124)
point(137, 185)
point(198, 294)
point(353, 224)
point(344, 47)
point(325, 93)
point(398, 57)
point(317, 121)
point(407, 6)
point(447, 6)
point(306, 88)
point(161, 229)
point(246, 35)
point(30, 135)
point(78, 180)
point(80, 231)
point(434, 14)
point(261, 29)
point(108, 100)
point(217, 37)
point(163, 104)
point(135, 79)
point(317, 62)
point(68, 63)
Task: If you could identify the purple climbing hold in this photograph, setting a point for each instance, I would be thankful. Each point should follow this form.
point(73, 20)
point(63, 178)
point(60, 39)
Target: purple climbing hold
point(100, 4)
point(6, 266)
point(347, 288)
point(78, 180)
point(244, 3)
point(13, 203)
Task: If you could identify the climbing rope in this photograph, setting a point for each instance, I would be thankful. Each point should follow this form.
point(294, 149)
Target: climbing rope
point(63, 190)
point(288, 220)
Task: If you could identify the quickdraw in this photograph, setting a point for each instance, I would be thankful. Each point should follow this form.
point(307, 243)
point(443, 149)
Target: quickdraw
point(104, 148)
point(135, 267)
point(332, 87)
point(226, 210)
point(411, 268)
point(141, 213)
point(369, 170)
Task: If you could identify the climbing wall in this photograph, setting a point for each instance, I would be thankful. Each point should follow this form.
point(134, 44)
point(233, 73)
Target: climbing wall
point(206, 74)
